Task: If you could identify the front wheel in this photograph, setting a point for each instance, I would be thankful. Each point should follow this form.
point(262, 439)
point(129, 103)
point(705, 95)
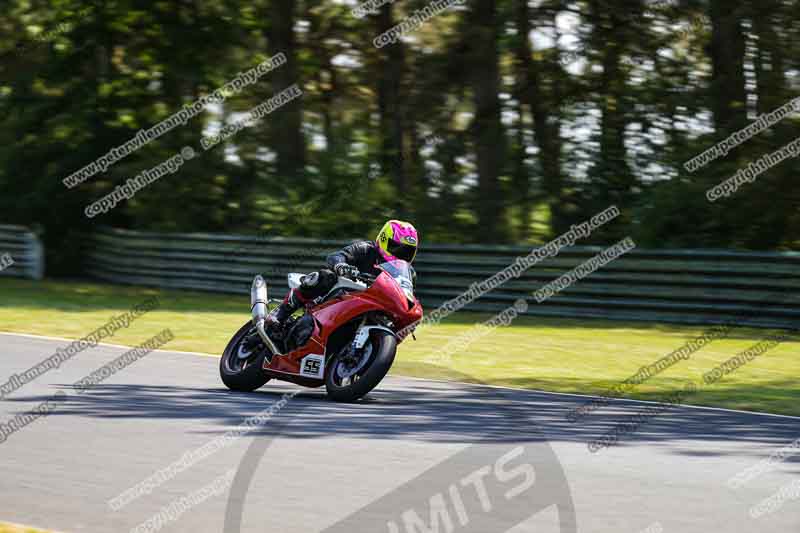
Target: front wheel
point(347, 381)
point(243, 359)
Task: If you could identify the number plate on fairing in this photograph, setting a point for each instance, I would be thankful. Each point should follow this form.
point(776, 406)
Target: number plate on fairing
point(313, 366)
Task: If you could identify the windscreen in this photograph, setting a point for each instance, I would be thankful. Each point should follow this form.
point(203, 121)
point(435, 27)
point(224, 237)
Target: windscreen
point(400, 271)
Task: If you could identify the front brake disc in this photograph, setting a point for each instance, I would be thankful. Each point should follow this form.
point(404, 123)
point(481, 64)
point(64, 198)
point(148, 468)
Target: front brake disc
point(342, 373)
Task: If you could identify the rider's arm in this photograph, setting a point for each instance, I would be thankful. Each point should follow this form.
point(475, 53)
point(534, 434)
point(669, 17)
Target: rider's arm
point(342, 256)
point(351, 254)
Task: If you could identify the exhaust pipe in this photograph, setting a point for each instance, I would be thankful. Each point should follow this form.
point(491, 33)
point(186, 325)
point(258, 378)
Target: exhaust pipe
point(258, 307)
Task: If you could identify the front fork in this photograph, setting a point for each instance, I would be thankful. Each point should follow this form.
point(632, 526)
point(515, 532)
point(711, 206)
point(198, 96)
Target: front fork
point(362, 336)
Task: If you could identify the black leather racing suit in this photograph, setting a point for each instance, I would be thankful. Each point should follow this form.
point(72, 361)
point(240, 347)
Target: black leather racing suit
point(363, 255)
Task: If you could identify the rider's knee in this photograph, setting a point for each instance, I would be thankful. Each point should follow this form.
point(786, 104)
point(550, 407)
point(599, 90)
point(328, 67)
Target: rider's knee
point(317, 283)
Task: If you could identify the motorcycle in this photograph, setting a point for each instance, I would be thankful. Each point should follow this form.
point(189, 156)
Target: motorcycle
point(345, 340)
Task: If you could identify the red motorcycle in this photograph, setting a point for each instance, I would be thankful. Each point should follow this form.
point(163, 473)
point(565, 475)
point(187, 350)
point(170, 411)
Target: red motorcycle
point(345, 340)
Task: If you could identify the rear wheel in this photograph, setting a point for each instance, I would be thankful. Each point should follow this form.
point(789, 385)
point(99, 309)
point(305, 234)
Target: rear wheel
point(241, 364)
point(347, 380)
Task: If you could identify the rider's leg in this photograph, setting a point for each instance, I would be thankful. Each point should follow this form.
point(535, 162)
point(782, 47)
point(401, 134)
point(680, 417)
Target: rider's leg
point(317, 284)
point(291, 303)
point(312, 286)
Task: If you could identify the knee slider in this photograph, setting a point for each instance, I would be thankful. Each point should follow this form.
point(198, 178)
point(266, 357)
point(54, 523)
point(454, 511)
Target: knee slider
point(309, 281)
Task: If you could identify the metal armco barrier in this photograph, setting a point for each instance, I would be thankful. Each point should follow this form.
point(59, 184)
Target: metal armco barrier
point(676, 286)
point(25, 250)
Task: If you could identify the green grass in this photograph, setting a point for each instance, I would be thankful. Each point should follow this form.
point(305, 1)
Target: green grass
point(576, 356)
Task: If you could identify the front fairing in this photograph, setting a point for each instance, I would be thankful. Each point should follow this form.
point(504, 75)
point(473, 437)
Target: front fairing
point(388, 293)
point(400, 271)
point(402, 306)
point(384, 295)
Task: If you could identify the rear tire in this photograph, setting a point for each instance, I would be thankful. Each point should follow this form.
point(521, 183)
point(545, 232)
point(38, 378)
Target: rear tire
point(384, 348)
point(243, 375)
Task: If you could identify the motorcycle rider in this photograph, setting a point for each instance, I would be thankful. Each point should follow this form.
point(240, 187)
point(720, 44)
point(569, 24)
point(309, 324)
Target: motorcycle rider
point(396, 240)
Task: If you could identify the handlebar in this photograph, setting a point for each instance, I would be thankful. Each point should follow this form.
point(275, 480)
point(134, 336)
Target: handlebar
point(366, 278)
point(363, 277)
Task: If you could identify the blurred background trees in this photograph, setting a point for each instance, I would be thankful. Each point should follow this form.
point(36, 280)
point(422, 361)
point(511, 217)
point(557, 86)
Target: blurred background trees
point(498, 121)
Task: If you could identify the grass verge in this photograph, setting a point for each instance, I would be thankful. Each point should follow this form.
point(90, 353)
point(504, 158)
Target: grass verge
point(574, 356)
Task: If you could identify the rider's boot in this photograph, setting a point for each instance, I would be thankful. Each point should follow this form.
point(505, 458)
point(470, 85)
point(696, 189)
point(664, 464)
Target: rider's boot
point(277, 318)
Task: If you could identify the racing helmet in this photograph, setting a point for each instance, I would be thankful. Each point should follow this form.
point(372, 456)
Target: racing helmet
point(398, 240)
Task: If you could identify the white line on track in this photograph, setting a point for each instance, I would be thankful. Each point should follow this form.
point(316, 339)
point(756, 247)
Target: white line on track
point(537, 391)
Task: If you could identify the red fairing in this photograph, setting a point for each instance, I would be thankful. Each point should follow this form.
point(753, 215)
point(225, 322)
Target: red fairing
point(384, 295)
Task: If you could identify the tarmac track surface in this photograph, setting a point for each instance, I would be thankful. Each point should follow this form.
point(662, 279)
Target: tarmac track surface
point(325, 466)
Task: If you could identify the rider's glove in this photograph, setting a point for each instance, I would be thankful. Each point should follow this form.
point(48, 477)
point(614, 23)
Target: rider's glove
point(345, 270)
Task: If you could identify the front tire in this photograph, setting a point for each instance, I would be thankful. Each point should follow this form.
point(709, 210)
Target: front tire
point(383, 349)
point(241, 367)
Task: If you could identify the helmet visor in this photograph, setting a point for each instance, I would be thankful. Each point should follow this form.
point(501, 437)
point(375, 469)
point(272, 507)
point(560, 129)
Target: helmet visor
point(406, 252)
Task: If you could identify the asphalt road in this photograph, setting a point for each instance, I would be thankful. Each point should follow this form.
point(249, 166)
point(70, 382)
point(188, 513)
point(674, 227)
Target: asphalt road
point(416, 452)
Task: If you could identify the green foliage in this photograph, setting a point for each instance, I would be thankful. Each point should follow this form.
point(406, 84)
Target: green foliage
point(604, 106)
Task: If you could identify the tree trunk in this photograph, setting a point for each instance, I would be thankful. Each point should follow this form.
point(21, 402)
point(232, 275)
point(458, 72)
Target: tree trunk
point(729, 97)
point(390, 104)
point(486, 127)
point(288, 139)
point(546, 120)
point(613, 34)
point(769, 63)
